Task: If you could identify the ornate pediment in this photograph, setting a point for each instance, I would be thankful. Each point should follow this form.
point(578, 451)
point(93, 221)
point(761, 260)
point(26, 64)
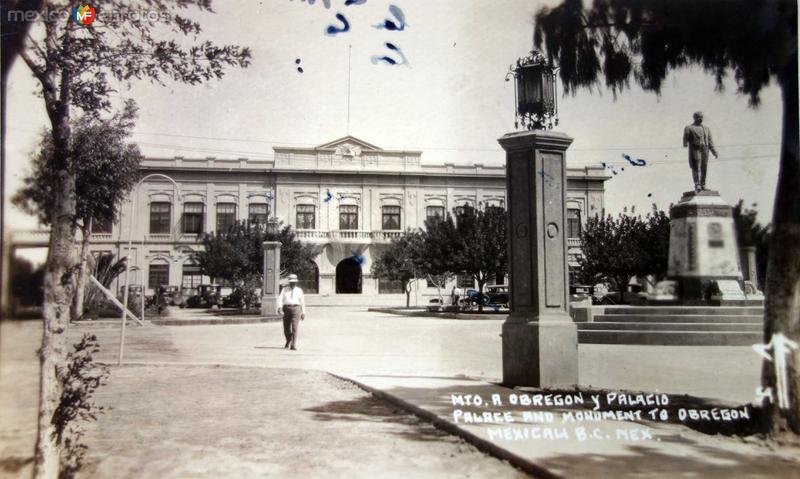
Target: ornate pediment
point(349, 145)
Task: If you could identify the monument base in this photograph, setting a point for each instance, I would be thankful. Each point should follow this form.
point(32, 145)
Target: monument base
point(269, 306)
point(703, 255)
point(540, 353)
point(707, 290)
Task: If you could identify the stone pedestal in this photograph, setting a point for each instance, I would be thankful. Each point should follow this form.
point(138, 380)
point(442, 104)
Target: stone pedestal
point(540, 340)
point(272, 272)
point(748, 262)
point(703, 250)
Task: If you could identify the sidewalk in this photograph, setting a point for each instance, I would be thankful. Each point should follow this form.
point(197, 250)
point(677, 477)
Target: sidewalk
point(602, 449)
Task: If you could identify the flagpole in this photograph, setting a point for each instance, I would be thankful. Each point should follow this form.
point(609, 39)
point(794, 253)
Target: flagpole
point(349, 51)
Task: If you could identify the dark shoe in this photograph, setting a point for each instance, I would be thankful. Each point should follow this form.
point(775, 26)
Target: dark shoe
point(294, 348)
point(286, 345)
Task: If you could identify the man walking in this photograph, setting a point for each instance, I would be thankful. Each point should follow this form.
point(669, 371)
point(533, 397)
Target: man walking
point(698, 138)
point(292, 304)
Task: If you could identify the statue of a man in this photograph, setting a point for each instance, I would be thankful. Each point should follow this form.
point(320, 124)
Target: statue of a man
point(698, 138)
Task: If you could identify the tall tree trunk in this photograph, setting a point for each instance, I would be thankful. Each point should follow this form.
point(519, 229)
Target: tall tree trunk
point(80, 289)
point(782, 305)
point(58, 287)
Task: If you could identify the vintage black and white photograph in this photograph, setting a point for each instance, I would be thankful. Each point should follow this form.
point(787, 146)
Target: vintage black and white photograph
point(400, 238)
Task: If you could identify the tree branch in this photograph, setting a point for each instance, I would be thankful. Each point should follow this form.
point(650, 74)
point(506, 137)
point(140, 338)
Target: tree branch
point(38, 70)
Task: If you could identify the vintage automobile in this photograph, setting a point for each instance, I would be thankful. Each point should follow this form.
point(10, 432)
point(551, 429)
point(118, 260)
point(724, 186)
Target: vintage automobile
point(135, 297)
point(208, 296)
point(498, 294)
point(496, 297)
point(182, 298)
point(169, 293)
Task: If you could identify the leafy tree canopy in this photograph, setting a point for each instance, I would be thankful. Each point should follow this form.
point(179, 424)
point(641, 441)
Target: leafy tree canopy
point(105, 165)
point(482, 252)
point(617, 248)
point(130, 40)
point(645, 39)
point(238, 254)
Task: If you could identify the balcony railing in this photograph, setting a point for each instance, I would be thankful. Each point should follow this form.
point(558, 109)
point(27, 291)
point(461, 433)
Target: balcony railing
point(349, 235)
point(573, 242)
point(381, 236)
point(386, 235)
point(311, 234)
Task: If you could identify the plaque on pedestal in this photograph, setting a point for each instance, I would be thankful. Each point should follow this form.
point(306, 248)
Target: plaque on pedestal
point(702, 247)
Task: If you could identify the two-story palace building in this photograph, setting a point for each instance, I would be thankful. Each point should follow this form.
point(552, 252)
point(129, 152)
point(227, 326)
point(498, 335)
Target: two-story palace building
point(348, 198)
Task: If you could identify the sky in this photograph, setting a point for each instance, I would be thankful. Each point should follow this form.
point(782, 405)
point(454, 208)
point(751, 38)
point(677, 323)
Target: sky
point(450, 101)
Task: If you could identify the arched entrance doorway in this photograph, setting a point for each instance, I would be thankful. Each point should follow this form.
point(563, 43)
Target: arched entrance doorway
point(348, 277)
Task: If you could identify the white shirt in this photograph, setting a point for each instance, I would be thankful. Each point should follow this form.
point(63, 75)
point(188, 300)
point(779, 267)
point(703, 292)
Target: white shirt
point(292, 296)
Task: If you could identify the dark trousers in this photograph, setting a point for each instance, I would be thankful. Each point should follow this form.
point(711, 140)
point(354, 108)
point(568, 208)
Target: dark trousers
point(698, 161)
point(291, 322)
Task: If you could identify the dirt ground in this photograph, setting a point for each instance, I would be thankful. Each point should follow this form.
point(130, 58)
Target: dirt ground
point(210, 422)
point(167, 421)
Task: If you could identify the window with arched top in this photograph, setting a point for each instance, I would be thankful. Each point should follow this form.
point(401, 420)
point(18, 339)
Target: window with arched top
point(390, 217)
point(192, 276)
point(434, 211)
point(226, 217)
point(193, 218)
point(158, 274)
point(306, 217)
point(573, 223)
point(102, 225)
point(348, 217)
point(258, 213)
point(159, 217)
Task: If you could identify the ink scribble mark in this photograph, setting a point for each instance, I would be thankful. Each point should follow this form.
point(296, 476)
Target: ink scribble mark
point(358, 257)
point(389, 60)
point(609, 167)
point(354, 2)
point(334, 30)
point(328, 196)
point(299, 68)
point(391, 25)
point(547, 177)
point(636, 162)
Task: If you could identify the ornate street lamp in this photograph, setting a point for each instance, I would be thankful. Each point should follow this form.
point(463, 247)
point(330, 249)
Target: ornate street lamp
point(535, 91)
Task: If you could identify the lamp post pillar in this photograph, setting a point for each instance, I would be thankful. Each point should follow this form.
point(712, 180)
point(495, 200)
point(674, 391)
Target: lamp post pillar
point(272, 272)
point(540, 340)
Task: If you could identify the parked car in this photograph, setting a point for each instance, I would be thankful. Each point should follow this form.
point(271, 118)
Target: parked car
point(134, 298)
point(498, 294)
point(210, 295)
point(170, 294)
point(182, 298)
point(207, 296)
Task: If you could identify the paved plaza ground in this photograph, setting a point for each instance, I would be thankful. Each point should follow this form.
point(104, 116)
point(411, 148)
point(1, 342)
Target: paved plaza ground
point(228, 400)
